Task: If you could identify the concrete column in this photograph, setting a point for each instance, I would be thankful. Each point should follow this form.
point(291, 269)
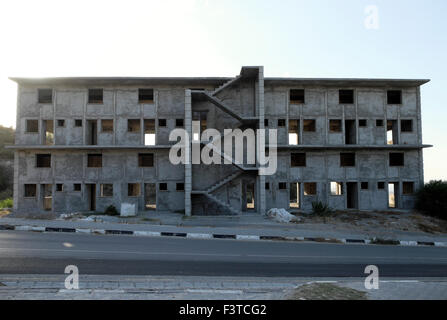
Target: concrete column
point(188, 165)
point(16, 181)
point(261, 111)
point(16, 152)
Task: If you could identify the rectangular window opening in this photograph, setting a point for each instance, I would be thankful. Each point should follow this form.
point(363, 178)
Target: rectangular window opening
point(45, 95)
point(179, 123)
point(106, 190)
point(336, 188)
point(335, 125)
point(297, 96)
point(346, 96)
point(133, 125)
point(180, 186)
point(396, 159)
point(394, 97)
point(310, 188)
point(95, 96)
point(30, 190)
point(162, 122)
point(407, 187)
point(43, 160)
point(146, 160)
point(107, 125)
point(406, 125)
point(94, 160)
point(133, 189)
point(281, 122)
point(347, 159)
point(309, 125)
point(145, 95)
point(298, 159)
point(32, 126)
point(163, 186)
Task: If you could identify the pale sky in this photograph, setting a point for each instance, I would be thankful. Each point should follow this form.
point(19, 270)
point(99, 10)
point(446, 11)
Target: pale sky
point(318, 38)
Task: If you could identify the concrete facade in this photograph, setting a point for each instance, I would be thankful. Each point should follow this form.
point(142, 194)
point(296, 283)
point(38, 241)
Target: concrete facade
point(73, 129)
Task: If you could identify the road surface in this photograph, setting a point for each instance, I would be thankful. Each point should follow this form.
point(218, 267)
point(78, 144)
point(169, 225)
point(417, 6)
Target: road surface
point(49, 253)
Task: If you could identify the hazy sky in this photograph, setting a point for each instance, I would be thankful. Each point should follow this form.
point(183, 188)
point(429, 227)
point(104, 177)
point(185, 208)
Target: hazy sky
point(215, 38)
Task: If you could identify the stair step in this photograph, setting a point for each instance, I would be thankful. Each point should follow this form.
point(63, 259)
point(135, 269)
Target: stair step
point(226, 84)
point(217, 200)
point(223, 181)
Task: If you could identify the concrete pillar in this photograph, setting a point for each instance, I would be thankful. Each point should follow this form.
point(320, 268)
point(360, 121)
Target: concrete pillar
point(16, 181)
point(188, 165)
point(261, 179)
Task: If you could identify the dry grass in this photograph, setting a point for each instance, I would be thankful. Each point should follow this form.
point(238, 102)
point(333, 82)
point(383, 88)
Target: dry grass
point(4, 213)
point(23, 215)
point(382, 220)
point(325, 291)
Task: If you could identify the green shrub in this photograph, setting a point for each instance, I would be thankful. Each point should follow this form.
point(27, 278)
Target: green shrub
point(432, 199)
point(111, 211)
point(321, 209)
point(7, 203)
point(6, 194)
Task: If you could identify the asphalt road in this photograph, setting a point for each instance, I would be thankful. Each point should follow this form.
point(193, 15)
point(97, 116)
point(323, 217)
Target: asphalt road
point(49, 253)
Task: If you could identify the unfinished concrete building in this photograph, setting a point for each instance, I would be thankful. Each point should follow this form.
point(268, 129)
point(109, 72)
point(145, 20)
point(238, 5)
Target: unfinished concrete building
point(83, 144)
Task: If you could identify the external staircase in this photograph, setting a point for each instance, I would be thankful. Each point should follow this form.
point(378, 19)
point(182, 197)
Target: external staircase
point(245, 123)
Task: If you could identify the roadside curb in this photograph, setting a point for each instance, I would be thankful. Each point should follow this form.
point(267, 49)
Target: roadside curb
point(193, 235)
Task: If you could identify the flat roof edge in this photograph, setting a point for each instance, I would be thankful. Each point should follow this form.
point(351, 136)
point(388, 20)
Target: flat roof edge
point(218, 80)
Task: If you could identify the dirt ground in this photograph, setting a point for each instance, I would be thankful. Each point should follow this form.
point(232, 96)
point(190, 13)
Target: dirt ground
point(379, 223)
point(367, 221)
point(325, 291)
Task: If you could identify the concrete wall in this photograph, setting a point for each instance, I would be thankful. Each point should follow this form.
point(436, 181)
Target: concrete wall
point(119, 168)
point(248, 98)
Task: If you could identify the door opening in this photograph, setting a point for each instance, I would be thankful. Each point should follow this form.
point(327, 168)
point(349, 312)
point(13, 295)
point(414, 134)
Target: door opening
point(392, 132)
point(350, 134)
point(250, 196)
point(351, 195)
point(47, 192)
point(48, 132)
point(393, 192)
point(294, 195)
point(91, 188)
point(150, 196)
point(92, 132)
